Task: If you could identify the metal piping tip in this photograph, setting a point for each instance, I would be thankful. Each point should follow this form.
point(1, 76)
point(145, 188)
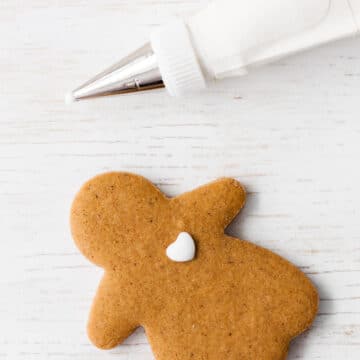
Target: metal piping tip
point(137, 72)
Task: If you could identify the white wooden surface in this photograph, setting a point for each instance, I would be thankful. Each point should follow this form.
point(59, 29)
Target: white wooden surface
point(290, 132)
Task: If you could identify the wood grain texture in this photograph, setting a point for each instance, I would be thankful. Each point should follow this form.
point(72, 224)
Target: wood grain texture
point(289, 132)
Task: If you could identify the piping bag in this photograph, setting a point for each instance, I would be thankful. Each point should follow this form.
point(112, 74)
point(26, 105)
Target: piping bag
point(227, 38)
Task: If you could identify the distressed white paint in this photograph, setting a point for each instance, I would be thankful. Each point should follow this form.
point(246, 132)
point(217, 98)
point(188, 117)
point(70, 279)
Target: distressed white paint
point(290, 133)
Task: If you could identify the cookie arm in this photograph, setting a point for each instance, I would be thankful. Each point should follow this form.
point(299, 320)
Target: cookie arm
point(219, 201)
point(111, 318)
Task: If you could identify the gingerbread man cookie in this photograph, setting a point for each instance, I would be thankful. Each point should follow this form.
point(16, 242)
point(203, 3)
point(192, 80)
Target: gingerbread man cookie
point(169, 267)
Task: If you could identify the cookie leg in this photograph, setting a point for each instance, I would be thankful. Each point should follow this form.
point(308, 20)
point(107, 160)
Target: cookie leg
point(111, 320)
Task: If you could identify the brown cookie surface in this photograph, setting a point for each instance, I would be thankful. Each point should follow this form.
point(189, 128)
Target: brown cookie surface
point(233, 301)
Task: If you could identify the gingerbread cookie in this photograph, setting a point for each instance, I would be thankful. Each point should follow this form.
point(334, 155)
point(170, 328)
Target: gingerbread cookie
point(169, 267)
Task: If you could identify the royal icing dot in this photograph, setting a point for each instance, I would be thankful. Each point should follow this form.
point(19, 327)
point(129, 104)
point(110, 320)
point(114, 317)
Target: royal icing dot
point(183, 249)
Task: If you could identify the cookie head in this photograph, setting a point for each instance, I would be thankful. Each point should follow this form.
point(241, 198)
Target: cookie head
point(113, 211)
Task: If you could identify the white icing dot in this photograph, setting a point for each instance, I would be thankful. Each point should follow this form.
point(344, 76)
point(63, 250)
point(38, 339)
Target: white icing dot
point(69, 98)
point(183, 249)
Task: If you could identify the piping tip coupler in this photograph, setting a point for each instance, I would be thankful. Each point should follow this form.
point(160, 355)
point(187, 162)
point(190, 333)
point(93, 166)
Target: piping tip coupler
point(169, 61)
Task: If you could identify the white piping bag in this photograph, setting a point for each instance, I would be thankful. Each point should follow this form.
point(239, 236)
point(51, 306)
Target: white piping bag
point(227, 38)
